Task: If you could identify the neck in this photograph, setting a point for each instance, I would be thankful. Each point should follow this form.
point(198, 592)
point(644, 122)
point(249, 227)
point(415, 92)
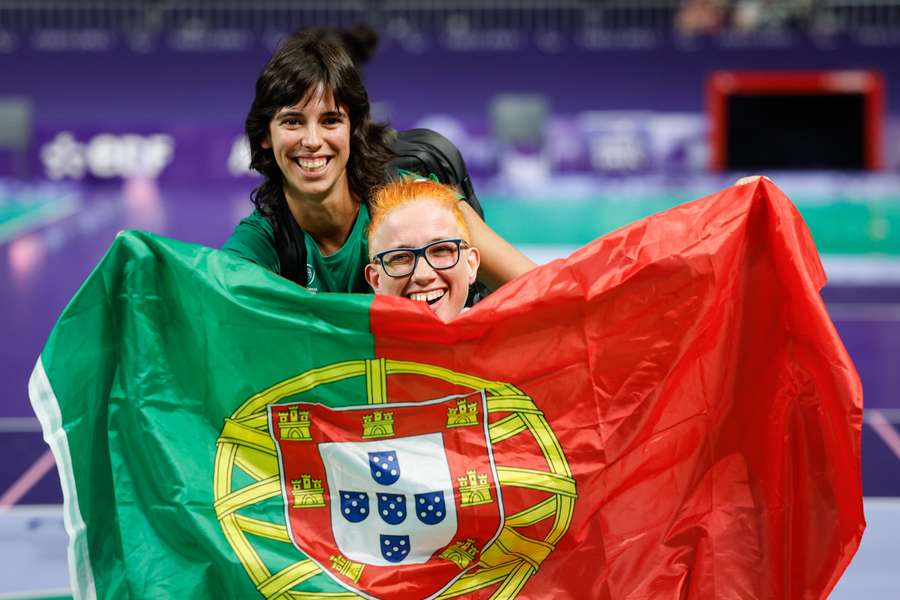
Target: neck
point(328, 218)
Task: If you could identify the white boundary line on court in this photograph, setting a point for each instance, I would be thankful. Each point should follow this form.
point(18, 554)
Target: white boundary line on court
point(17, 424)
point(46, 407)
point(27, 480)
point(885, 431)
point(31, 595)
point(891, 415)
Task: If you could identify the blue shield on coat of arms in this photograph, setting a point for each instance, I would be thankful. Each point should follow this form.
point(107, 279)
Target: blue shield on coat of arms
point(385, 467)
point(430, 507)
point(392, 508)
point(394, 548)
point(354, 505)
point(423, 485)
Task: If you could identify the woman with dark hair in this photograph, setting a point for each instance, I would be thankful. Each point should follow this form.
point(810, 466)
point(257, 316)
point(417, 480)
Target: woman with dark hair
point(313, 139)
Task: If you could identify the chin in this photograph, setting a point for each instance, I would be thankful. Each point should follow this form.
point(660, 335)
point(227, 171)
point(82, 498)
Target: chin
point(448, 313)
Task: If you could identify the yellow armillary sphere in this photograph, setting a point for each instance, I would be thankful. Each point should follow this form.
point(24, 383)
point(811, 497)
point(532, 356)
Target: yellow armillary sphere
point(247, 474)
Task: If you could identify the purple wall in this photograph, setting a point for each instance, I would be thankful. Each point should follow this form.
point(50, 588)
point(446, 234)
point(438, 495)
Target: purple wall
point(119, 86)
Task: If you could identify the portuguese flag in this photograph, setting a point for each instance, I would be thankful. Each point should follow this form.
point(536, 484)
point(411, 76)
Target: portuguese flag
point(666, 413)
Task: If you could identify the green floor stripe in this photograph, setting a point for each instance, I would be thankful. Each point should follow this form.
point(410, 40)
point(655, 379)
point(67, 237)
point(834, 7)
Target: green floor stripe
point(839, 226)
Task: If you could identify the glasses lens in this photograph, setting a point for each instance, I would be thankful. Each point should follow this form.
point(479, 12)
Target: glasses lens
point(399, 262)
point(443, 255)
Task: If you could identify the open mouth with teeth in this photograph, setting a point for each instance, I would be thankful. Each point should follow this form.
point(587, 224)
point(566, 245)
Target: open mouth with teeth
point(429, 298)
point(312, 165)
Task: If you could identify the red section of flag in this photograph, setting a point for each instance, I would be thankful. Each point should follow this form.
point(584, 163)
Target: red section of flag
point(698, 390)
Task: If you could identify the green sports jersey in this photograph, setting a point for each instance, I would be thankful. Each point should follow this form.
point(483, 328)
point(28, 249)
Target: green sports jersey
point(253, 239)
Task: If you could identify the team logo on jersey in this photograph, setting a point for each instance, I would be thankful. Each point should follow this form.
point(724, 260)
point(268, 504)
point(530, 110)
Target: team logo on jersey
point(405, 491)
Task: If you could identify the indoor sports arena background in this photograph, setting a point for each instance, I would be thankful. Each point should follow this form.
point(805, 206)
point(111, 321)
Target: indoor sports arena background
point(575, 117)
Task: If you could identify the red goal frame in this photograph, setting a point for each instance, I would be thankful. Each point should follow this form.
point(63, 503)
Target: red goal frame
point(722, 84)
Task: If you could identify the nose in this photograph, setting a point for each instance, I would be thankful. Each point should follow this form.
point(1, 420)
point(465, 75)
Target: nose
point(312, 137)
point(423, 273)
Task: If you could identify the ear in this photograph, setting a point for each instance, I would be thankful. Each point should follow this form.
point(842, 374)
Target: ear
point(373, 277)
point(267, 142)
point(473, 259)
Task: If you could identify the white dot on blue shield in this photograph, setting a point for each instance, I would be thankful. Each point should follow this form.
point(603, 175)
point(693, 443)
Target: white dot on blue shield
point(387, 543)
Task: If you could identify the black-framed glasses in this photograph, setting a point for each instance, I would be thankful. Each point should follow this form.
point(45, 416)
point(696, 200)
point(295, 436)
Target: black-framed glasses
point(401, 262)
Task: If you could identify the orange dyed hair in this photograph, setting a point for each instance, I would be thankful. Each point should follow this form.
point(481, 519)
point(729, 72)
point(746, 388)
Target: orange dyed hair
point(396, 194)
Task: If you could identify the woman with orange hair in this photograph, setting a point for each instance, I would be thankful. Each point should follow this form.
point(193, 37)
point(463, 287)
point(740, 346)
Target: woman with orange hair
point(419, 246)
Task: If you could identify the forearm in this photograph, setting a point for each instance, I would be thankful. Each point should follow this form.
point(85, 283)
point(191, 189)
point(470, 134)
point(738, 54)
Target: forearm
point(500, 260)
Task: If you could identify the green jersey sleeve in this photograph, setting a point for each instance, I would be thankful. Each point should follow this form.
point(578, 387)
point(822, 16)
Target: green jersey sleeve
point(253, 239)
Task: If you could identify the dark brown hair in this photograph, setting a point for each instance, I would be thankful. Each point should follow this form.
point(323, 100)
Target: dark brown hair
point(303, 62)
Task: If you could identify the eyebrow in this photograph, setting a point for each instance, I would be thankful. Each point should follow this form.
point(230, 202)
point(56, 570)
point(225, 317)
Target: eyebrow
point(432, 240)
point(290, 112)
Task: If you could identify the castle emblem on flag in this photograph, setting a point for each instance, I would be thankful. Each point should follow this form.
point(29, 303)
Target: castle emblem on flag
point(474, 489)
point(307, 492)
point(464, 414)
point(346, 567)
point(378, 424)
point(460, 553)
point(294, 425)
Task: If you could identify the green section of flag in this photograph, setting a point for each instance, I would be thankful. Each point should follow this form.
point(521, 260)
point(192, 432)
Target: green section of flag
point(839, 225)
point(146, 363)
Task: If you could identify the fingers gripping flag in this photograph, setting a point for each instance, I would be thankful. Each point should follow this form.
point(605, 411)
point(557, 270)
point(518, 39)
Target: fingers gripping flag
point(668, 412)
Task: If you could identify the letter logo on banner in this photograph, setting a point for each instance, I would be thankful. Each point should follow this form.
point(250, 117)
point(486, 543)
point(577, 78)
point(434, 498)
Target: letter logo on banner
point(107, 155)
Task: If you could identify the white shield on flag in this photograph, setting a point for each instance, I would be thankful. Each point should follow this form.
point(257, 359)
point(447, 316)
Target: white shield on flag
point(392, 499)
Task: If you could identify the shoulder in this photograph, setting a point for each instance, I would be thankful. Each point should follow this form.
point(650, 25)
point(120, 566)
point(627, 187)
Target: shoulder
point(427, 153)
point(254, 239)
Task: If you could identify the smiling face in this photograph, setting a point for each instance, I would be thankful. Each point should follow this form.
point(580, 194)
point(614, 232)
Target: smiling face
point(413, 225)
point(311, 144)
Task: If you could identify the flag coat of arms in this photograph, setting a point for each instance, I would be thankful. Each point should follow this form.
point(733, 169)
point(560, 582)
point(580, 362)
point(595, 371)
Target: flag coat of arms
point(666, 413)
point(370, 495)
